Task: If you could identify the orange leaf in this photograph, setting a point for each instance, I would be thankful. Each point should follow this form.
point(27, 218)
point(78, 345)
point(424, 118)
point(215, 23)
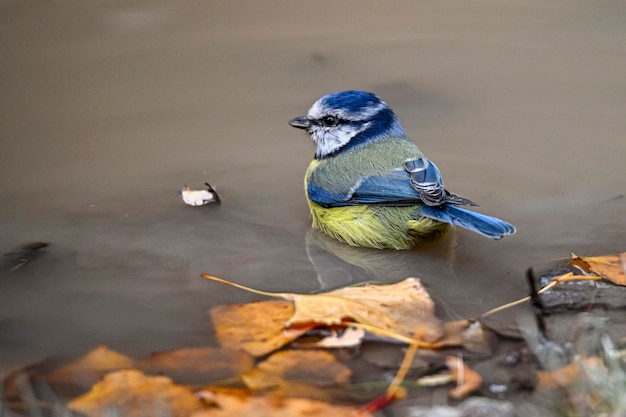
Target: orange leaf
point(130, 393)
point(397, 308)
point(198, 365)
point(467, 379)
point(611, 267)
point(225, 405)
point(314, 367)
point(257, 328)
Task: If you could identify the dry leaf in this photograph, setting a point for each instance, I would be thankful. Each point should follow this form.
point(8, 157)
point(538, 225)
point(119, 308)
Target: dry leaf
point(398, 308)
point(87, 370)
point(130, 393)
point(314, 367)
point(257, 328)
point(611, 267)
point(393, 311)
point(466, 378)
point(200, 197)
point(237, 406)
point(198, 365)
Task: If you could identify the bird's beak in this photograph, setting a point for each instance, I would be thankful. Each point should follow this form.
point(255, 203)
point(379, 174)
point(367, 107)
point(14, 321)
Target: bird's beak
point(302, 122)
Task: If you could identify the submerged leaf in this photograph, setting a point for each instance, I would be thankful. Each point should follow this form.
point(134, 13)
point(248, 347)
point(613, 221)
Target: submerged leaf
point(198, 365)
point(314, 367)
point(611, 267)
point(88, 369)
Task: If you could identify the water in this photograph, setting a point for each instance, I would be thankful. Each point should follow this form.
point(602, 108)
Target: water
point(108, 108)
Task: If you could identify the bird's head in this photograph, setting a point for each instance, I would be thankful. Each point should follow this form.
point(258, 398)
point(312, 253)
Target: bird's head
point(347, 119)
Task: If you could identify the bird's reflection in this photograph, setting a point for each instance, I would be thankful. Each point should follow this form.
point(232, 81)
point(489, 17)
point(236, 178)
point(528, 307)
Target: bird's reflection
point(338, 265)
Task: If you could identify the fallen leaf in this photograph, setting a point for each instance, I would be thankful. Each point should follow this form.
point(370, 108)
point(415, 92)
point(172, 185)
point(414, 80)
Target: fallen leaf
point(225, 405)
point(257, 328)
point(130, 393)
point(611, 267)
point(398, 308)
point(200, 197)
point(466, 378)
point(198, 365)
point(316, 367)
point(87, 370)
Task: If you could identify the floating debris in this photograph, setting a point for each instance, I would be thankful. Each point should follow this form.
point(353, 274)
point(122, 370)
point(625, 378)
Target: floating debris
point(21, 256)
point(200, 197)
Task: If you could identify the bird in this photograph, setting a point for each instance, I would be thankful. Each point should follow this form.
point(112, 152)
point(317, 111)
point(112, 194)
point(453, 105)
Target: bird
point(370, 186)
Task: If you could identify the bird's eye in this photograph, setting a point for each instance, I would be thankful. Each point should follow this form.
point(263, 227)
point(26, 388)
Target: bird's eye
point(329, 121)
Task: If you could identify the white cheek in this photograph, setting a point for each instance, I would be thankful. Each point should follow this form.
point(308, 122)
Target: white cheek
point(329, 140)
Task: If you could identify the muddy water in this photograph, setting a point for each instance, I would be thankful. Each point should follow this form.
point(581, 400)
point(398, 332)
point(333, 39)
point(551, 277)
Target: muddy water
point(108, 108)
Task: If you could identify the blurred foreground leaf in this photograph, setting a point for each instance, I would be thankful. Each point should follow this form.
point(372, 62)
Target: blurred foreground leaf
point(568, 375)
point(466, 378)
point(130, 393)
point(224, 404)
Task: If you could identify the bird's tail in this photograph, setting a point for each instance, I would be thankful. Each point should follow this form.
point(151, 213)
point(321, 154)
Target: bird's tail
point(485, 225)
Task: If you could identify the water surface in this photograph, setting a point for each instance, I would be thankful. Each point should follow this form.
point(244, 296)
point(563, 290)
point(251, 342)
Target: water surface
point(108, 108)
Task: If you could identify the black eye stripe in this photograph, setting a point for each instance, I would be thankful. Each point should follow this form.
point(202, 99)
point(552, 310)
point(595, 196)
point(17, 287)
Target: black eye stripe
point(329, 121)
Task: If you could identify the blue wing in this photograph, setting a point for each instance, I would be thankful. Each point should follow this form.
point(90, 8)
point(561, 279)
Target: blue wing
point(420, 182)
point(393, 188)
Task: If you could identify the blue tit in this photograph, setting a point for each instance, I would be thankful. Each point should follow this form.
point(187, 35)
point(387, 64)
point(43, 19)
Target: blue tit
point(370, 186)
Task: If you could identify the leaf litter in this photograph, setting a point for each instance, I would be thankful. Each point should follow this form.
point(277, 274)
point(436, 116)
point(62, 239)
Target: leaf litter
point(243, 380)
